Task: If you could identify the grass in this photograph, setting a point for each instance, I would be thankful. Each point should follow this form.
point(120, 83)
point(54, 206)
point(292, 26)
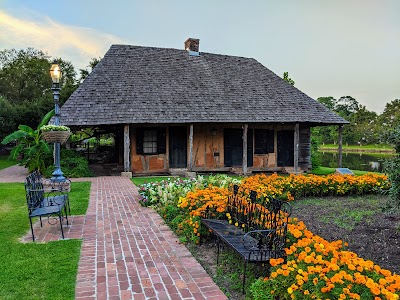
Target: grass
point(327, 171)
point(357, 210)
point(5, 163)
point(34, 270)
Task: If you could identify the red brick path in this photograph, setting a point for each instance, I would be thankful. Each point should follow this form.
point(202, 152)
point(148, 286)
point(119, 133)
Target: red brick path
point(128, 252)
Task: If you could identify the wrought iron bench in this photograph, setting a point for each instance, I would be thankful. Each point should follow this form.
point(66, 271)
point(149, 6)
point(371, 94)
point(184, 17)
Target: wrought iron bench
point(49, 201)
point(257, 232)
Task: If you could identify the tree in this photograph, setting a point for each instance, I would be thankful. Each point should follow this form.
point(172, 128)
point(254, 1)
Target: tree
point(391, 115)
point(392, 166)
point(345, 106)
point(7, 117)
point(29, 143)
point(25, 84)
point(287, 78)
point(24, 75)
point(85, 72)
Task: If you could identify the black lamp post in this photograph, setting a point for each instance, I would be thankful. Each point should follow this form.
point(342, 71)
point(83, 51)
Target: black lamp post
point(55, 72)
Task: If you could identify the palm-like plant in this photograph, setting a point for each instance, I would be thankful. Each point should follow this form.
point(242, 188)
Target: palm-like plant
point(29, 143)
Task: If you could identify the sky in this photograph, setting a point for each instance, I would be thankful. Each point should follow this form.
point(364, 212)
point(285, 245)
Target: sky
point(330, 48)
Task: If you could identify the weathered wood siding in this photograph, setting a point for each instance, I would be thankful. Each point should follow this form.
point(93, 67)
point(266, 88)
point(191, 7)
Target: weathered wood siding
point(208, 147)
point(305, 149)
point(208, 150)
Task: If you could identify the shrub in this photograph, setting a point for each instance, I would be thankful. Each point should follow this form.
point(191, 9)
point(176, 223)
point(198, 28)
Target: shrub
point(73, 164)
point(392, 167)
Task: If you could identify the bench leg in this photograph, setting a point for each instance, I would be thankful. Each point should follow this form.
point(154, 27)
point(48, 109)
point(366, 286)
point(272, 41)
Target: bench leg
point(40, 217)
point(66, 214)
point(33, 236)
point(61, 225)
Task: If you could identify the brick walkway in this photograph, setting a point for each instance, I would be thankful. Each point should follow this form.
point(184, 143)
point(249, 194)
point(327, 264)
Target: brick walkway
point(13, 174)
point(128, 252)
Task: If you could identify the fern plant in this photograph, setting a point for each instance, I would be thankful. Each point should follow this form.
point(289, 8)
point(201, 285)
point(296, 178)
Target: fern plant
point(30, 146)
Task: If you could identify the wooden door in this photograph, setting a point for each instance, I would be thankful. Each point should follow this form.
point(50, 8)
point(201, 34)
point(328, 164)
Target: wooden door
point(233, 147)
point(178, 147)
point(286, 148)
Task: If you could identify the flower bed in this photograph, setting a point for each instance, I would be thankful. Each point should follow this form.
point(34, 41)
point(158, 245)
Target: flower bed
point(318, 269)
point(315, 268)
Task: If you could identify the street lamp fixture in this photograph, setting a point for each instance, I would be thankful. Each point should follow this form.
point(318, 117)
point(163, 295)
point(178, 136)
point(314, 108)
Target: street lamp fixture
point(55, 73)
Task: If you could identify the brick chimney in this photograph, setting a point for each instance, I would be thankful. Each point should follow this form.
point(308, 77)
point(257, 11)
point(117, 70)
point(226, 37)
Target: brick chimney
point(192, 45)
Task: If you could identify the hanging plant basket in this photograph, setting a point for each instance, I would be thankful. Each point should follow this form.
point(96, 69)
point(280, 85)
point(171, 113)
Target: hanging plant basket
point(56, 136)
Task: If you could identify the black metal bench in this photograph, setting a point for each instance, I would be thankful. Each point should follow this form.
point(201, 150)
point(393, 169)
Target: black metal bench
point(257, 232)
point(46, 202)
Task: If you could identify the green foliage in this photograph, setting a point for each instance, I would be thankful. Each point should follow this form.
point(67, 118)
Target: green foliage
point(287, 78)
point(392, 167)
point(32, 270)
point(25, 87)
point(260, 290)
point(7, 117)
point(85, 72)
point(315, 155)
point(73, 164)
point(33, 149)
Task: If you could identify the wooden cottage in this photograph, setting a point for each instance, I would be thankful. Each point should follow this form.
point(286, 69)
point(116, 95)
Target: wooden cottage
point(185, 110)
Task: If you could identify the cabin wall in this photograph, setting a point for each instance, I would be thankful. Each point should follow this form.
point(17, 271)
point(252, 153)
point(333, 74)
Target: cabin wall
point(208, 149)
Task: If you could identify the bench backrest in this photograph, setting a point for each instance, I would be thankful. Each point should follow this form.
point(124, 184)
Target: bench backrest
point(251, 214)
point(34, 190)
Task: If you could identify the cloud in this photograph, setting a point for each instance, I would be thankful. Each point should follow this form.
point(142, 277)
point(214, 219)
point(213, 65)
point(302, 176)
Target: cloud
point(77, 44)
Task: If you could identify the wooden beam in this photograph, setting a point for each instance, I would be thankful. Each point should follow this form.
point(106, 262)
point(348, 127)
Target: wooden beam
point(127, 149)
point(245, 129)
point(340, 148)
point(296, 148)
point(191, 148)
point(276, 146)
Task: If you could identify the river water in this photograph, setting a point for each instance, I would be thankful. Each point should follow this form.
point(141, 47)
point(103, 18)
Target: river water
point(355, 161)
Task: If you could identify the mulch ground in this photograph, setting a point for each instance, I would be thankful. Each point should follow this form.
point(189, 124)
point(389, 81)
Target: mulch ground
point(371, 231)
point(363, 222)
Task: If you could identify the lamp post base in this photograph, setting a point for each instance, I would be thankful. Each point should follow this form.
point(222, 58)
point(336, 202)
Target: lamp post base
point(58, 176)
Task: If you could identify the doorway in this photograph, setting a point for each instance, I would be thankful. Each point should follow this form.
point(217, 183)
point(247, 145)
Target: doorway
point(178, 147)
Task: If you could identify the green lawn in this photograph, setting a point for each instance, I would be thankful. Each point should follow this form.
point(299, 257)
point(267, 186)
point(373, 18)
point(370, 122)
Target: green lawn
point(327, 171)
point(34, 270)
point(5, 163)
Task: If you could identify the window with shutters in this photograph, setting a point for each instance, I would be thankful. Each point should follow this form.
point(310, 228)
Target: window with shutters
point(150, 140)
point(263, 141)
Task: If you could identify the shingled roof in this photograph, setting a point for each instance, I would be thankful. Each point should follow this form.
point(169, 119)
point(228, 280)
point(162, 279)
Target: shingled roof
point(133, 84)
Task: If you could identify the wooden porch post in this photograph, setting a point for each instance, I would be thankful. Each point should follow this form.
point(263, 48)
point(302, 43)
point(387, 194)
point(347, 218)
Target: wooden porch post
point(340, 148)
point(276, 146)
point(245, 127)
point(191, 148)
point(296, 148)
point(127, 149)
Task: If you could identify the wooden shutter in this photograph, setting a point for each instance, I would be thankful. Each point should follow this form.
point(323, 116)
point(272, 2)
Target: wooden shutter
point(161, 141)
point(139, 140)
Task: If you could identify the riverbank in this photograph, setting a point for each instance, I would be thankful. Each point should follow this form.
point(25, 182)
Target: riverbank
point(358, 149)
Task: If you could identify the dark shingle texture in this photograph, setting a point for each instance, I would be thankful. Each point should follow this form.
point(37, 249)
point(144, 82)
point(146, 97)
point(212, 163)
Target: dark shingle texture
point(135, 84)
